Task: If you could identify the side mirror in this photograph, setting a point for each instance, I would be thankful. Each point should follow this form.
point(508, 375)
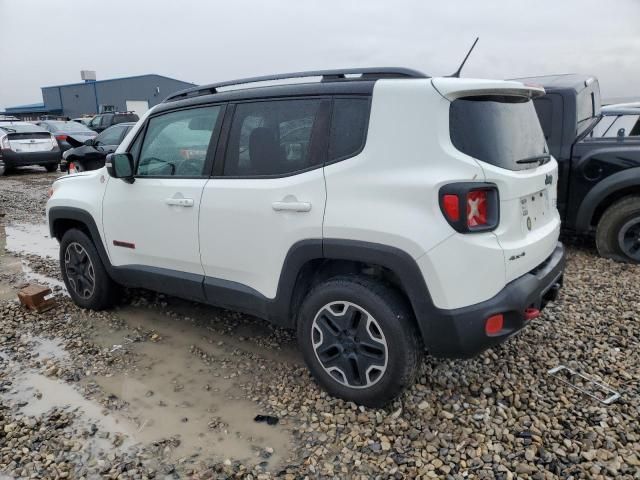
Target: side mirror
point(120, 165)
point(621, 132)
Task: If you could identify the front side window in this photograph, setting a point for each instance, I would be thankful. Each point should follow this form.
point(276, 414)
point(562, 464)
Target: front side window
point(272, 138)
point(176, 143)
point(621, 125)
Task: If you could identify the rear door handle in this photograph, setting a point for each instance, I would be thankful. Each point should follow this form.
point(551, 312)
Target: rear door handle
point(179, 202)
point(291, 206)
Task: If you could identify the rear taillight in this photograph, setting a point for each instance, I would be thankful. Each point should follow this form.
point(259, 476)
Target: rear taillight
point(479, 202)
point(4, 142)
point(54, 143)
point(477, 208)
point(62, 138)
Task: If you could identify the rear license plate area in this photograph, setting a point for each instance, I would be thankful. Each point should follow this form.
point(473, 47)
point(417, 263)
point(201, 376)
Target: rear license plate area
point(535, 210)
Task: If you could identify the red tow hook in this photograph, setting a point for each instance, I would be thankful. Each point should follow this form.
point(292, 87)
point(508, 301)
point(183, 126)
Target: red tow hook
point(531, 313)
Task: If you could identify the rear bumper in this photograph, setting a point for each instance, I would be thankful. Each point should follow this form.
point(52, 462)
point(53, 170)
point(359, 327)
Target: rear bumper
point(15, 159)
point(460, 333)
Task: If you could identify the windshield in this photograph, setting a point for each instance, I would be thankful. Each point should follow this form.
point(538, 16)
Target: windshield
point(498, 129)
point(21, 128)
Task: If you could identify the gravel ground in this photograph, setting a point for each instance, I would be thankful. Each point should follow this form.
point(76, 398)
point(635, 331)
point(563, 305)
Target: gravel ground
point(500, 415)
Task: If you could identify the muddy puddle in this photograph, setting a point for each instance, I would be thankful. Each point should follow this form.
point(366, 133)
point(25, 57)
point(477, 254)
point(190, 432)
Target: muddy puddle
point(27, 238)
point(172, 392)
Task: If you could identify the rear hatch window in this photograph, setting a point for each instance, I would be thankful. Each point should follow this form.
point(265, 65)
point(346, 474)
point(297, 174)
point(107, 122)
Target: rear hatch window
point(125, 117)
point(502, 130)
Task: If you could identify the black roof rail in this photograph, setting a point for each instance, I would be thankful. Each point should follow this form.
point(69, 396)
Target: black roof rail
point(370, 73)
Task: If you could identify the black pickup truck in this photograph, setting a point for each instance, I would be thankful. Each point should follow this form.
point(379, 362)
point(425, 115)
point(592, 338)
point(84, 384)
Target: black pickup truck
point(599, 165)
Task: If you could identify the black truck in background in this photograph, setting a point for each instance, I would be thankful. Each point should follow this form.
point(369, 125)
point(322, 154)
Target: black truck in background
point(599, 176)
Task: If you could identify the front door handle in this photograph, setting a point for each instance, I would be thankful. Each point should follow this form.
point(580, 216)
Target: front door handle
point(179, 202)
point(291, 206)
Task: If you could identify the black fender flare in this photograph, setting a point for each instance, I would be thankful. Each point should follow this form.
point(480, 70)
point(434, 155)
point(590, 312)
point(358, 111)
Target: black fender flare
point(617, 181)
point(82, 216)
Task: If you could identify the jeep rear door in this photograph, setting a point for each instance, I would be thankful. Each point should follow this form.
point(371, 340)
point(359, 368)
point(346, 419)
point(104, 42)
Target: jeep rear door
point(496, 124)
point(266, 195)
point(151, 225)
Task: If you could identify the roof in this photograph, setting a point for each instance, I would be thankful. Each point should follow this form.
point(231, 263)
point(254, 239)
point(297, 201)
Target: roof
point(118, 79)
point(622, 109)
point(29, 108)
point(563, 81)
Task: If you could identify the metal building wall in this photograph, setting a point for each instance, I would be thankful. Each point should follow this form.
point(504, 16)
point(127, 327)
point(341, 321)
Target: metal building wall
point(78, 99)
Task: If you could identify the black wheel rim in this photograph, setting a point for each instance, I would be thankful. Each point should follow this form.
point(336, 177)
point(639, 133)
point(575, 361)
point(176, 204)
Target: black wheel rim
point(79, 270)
point(629, 239)
point(349, 344)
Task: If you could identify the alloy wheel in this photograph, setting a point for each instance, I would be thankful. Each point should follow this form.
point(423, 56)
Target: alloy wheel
point(629, 238)
point(349, 344)
point(79, 270)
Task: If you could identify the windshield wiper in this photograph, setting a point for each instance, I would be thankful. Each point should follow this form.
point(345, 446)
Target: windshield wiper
point(535, 159)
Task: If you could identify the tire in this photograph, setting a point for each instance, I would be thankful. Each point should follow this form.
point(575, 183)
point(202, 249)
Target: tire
point(51, 167)
point(3, 168)
point(369, 363)
point(80, 265)
point(618, 231)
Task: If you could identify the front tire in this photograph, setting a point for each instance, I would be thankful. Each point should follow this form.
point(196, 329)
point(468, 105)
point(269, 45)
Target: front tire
point(359, 340)
point(84, 275)
point(618, 232)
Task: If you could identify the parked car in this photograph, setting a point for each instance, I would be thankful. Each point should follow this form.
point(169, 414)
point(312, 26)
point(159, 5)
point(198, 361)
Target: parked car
point(105, 120)
point(23, 144)
point(90, 154)
point(62, 130)
point(379, 215)
point(598, 151)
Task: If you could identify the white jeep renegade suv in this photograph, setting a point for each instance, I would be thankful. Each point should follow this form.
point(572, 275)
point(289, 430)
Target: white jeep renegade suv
point(379, 212)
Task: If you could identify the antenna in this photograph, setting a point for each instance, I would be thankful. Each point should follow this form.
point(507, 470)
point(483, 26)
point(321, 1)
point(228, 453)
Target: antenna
point(457, 73)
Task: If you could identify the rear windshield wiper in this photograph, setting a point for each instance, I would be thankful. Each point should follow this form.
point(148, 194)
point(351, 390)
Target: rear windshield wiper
point(541, 159)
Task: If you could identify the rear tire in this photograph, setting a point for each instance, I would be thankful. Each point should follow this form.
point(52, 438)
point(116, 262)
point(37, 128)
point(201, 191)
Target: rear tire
point(359, 340)
point(3, 168)
point(84, 275)
point(51, 167)
point(618, 231)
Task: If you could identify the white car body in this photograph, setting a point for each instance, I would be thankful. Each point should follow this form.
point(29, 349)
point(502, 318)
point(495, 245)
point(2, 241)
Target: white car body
point(240, 231)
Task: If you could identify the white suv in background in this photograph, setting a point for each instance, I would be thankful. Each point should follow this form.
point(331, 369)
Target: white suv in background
point(379, 212)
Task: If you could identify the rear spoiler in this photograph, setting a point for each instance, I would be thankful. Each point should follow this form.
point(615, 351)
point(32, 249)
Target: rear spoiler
point(452, 88)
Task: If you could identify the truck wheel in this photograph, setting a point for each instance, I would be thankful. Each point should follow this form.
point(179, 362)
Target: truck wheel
point(359, 340)
point(51, 167)
point(618, 232)
point(84, 275)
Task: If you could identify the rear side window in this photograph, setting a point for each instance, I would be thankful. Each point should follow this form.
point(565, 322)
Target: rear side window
point(498, 129)
point(110, 136)
point(125, 117)
point(273, 138)
point(348, 127)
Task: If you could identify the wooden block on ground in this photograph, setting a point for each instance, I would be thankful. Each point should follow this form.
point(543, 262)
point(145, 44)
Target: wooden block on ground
point(34, 298)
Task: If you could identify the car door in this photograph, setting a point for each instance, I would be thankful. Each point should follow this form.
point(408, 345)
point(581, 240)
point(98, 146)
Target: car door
point(151, 225)
point(267, 193)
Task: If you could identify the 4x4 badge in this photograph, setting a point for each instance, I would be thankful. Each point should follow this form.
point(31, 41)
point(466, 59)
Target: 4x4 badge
point(548, 180)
